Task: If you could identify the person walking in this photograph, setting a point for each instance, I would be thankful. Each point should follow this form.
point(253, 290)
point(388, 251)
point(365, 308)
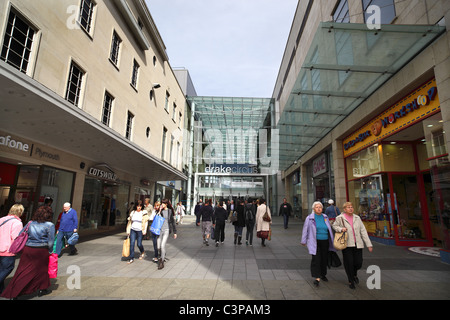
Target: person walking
point(332, 211)
point(67, 227)
point(317, 236)
point(263, 226)
point(10, 226)
point(357, 237)
point(169, 226)
point(137, 227)
point(250, 215)
point(285, 211)
point(197, 209)
point(239, 224)
point(149, 208)
point(206, 213)
point(32, 273)
point(155, 210)
point(180, 213)
point(219, 220)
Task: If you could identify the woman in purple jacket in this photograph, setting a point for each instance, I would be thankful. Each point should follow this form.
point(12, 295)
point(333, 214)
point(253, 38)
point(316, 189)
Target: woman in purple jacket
point(317, 236)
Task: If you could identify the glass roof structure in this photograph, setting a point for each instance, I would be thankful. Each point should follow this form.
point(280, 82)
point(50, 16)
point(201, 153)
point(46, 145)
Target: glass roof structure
point(344, 65)
point(227, 129)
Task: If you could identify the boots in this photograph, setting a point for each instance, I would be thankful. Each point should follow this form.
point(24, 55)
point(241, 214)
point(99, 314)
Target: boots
point(235, 237)
point(160, 264)
point(239, 240)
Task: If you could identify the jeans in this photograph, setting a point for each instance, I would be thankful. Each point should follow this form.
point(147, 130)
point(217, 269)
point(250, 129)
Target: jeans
point(219, 231)
point(238, 230)
point(249, 233)
point(6, 267)
point(155, 244)
point(162, 240)
point(59, 241)
point(285, 220)
point(135, 235)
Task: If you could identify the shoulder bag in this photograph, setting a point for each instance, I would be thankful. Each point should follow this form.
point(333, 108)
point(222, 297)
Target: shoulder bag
point(340, 240)
point(266, 216)
point(19, 243)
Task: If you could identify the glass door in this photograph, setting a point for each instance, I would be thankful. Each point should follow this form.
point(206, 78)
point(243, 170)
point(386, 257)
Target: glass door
point(411, 211)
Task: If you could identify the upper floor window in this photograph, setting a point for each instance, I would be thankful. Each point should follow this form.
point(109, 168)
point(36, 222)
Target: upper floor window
point(86, 14)
point(74, 84)
point(341, 13)
point(166, 104)
point(387, 8)
point(107, 108)
point(130, 118)
point(174, 112)
point(115, 47)
point(134, 76)
point(18, 42)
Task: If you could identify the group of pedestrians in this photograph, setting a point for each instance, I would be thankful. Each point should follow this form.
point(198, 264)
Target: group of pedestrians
point(318, 237)
point(139, 225)
point(246, 214)
point(32, 273)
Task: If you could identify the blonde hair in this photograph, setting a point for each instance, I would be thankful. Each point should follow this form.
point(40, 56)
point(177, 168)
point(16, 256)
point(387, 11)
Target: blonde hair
point(16, 210)
point(346, 204)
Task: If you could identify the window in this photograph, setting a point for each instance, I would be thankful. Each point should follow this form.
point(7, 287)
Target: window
point(387, 9)
point(86, 14)
point(134, 75)
point(174, 112)
point(163, 151)
point(341, 14)
point(18, 42)
point(166, 105)
point(74, 84)
point(130, 118)
point(107, 108)
point(172, 139)
point(115, 47)
point(180, 117)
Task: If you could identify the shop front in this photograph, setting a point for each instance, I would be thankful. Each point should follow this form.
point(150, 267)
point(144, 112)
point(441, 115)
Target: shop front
point(397, 172)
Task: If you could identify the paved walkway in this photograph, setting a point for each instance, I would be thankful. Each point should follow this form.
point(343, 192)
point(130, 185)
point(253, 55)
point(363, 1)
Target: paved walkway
point(279, 271)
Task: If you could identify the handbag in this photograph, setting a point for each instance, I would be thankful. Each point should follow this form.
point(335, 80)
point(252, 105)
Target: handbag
point(126, 248)
point(266, 216)
point(19, 243)
point(157, 223)
point(340, 240)
point(333, 260)
point(233, 216)
point(73, 239)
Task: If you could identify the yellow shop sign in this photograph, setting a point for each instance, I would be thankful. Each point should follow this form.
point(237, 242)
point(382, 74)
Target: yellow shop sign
point(420, 104)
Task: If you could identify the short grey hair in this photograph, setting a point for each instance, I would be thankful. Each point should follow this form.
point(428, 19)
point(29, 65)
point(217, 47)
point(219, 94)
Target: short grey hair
point(316, 203)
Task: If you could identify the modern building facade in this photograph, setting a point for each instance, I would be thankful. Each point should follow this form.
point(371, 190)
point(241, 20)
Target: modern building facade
point(92, 112)
point(363, 102)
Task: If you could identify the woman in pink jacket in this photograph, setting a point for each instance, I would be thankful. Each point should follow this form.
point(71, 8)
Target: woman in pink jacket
point(10, 226)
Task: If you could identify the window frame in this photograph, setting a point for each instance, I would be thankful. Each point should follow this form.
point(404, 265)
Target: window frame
point(79, 84)
point(88, 26)
point(114, 53)
point(135, 74)
point(107, 109)
point(129, 125)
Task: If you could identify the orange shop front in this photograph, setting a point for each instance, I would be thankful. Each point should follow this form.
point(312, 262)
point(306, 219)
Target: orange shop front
point(398, 172)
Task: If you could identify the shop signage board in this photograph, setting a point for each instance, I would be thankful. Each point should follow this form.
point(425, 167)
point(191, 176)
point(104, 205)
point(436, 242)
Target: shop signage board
point(419, 104)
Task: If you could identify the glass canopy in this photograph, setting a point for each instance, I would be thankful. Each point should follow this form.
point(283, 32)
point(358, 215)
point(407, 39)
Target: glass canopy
point(344, 65)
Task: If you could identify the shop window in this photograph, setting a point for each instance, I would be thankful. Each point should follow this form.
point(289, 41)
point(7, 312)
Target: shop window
point(398, 158)
point(364, 163)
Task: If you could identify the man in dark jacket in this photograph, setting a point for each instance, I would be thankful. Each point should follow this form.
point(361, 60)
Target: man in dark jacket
point(239, 224)
point(206, 214)
point(285, 211)
point(219, 219)
point(250, 218)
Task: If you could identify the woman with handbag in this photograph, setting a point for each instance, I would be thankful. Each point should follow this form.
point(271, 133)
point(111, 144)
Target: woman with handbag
point(317, 236)
point(10, 227)
point(263, 221)
point(32, 273)
point(169, 226)
point(357, 237)
point(136, 229)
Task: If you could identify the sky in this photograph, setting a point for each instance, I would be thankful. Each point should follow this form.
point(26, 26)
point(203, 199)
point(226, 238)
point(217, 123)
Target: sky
point(232, 48)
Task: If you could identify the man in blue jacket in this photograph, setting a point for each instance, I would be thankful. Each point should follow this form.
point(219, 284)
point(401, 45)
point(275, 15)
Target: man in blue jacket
point(67, 227)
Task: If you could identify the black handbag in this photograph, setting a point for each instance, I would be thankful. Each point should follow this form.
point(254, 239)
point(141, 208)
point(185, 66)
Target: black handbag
point(333, 260)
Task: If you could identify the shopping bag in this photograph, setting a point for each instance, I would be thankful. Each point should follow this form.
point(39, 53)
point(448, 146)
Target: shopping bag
point(126, 248)
point(333, 260)
point(157, 224)
point(19, 243)
point(53, 266)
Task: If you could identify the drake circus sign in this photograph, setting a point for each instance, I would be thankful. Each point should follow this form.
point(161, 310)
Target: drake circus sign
point(420, 104)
